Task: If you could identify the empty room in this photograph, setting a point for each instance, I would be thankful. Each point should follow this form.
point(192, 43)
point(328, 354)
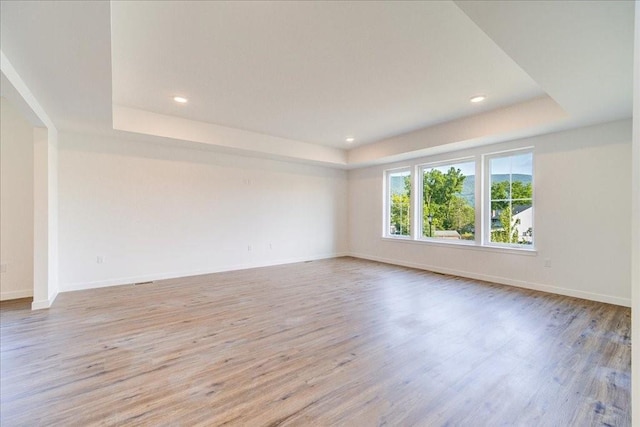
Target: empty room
point(327, 213)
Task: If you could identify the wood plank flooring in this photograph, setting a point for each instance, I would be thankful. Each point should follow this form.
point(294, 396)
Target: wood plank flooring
point(333, 342)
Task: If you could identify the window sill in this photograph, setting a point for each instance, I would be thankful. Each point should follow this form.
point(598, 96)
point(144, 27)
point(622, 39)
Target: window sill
point(467, 246)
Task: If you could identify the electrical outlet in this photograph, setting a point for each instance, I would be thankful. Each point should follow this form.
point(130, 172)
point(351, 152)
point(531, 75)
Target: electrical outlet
point(271, 246)
point(3, 268)
point(99, 259)
point(249, 248)
point(547, 262)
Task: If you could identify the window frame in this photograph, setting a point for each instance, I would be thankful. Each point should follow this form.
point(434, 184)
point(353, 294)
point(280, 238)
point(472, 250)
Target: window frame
point(486, 199)
point(386, 223)
point(482, 192)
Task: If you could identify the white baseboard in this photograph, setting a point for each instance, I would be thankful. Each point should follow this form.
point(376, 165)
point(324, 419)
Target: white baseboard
point(25, 293)
point(45, 303)
point(173, 275)
point(36, 305)
point(625, 302)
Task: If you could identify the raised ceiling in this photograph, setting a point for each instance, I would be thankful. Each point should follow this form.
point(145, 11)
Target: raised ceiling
point(312, 72)
point(293, 79)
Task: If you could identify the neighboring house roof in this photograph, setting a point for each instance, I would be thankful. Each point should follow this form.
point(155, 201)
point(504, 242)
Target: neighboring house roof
point(515, 210)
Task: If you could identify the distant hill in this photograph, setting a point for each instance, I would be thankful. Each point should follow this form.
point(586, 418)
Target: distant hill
point(469, 185)
point(516, 177)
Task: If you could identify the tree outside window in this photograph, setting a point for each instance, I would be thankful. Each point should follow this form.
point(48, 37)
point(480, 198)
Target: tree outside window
point(445, 203)
point(512, 199)
point(399, 204)
point(448, 201)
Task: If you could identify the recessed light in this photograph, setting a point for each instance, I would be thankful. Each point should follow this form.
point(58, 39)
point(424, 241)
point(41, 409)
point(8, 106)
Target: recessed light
point(349, 139)
point(180, 99)
point(477, 98)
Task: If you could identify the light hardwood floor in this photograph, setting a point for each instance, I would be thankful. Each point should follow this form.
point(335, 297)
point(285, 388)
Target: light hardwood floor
point(334, 342)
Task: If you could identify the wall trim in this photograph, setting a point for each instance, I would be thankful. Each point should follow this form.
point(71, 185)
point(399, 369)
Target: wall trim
point(45, 303)
point(609, 299)
point(461, 244)
point(25, 293)
point(70, 287)
point(625, 302)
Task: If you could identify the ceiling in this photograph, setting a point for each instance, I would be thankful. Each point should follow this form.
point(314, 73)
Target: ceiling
point(294, 79)
point(313, 72)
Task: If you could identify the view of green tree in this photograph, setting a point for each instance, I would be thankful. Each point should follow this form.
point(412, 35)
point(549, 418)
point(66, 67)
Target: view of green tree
point(444, 207)
point(508, 232)
point(505, 197)
point(502, 193)
point(448, 209)
point(463, 215)
point(448, 200)
point(400, 205)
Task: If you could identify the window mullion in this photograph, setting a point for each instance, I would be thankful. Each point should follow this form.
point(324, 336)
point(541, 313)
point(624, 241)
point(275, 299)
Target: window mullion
point(480, 201)
point(416, 202)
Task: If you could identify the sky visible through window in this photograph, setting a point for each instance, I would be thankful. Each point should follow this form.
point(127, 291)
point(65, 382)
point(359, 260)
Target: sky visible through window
point(511, 199)
point(447, 200)
point(517, 165)
point(467, 168)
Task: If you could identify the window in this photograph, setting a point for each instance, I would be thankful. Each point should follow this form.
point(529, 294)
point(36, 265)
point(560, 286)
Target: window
point(483, 200)
point(448, 201)
point(511, 192)
point(398, 218)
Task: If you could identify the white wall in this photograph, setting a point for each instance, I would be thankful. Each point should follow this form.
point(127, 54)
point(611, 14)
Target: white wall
point(155, 211)
point(45, 217)
point(44, 189)
point(582, 186)
point(16, 203)
point(635, 226)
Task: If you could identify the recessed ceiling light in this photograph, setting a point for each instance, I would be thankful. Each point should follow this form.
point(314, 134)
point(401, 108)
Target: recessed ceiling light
point(349, 139)
point(180, 99)
point(477, 98)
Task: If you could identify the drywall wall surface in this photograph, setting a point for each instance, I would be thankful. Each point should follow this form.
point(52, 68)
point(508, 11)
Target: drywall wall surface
point(581, 216)
point(45, 217)
point(635, 226)
point(16, 204)
point(135, 211)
